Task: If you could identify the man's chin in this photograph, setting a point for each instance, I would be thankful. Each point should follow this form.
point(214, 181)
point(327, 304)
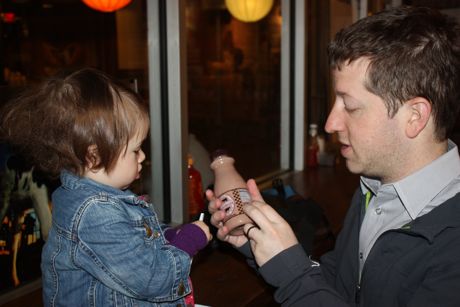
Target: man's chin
point(353, 168)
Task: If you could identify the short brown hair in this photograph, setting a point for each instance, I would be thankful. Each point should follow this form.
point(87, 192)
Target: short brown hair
point(413, 52)
point(55, 122)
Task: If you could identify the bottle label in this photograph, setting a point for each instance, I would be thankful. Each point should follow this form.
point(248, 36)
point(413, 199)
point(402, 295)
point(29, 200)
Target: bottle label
point(233, 202)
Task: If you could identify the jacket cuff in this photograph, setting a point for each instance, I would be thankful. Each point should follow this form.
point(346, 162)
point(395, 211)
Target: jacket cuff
point(245, 249)
point(285, 266)
point(189, 238)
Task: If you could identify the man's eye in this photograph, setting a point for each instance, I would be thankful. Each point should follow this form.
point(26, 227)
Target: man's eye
point(349, 109)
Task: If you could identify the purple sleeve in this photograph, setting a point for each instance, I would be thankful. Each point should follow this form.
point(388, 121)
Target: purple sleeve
point(188, 237)
point(170, 233)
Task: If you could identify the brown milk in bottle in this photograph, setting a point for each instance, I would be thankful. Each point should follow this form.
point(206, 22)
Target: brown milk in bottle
point(230, 187)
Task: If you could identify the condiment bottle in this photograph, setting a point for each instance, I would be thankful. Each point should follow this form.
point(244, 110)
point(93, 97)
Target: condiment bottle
point(195, 190)
point(312, 152)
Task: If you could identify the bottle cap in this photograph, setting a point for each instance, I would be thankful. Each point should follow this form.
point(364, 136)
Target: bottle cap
point(313, 129)
point(218, 153)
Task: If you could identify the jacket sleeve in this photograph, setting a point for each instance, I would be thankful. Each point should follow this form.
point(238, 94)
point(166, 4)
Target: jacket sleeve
point(245, 249)
point(299, 280)
point(188, 237)
point(127, 253)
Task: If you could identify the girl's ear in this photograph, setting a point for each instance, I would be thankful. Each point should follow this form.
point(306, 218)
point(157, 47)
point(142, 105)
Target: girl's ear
point(92, 157)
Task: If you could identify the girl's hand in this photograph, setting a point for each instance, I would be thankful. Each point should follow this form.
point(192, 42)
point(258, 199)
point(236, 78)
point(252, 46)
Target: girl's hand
point(204, 228)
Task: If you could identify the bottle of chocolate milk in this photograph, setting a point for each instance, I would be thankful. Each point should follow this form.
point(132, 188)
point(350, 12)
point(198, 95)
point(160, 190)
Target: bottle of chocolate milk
point(230, 187)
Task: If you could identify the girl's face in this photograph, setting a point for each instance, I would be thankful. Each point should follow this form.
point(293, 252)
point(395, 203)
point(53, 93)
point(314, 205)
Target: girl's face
point(127, 167)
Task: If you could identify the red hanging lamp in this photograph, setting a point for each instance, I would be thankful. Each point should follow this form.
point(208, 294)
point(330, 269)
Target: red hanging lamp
point(106, 5)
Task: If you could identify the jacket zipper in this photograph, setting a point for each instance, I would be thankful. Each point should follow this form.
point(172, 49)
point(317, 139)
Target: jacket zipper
point(403, 229)
point(357, 293)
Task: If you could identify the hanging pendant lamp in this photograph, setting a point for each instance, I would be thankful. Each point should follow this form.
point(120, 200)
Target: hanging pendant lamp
point(106, 5)
point(249, 10)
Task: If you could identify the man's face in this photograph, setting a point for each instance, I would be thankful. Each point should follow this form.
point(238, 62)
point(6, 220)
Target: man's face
point(371, 141)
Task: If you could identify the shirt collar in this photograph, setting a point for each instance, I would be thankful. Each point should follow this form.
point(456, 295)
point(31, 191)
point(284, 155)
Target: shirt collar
point(417, 190)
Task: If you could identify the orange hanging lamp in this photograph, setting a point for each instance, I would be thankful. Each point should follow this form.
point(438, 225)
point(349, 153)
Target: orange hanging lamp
point(106, 5)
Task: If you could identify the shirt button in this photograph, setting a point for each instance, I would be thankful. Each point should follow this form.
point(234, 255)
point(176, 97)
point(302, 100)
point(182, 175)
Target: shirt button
point(181, 288)
point(378, 211)
point(360, 255)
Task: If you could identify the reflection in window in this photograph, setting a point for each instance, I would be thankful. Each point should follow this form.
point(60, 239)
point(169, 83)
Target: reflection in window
point(234, 84)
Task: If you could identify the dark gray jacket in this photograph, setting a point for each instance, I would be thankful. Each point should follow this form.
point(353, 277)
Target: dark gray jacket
point(417, 265)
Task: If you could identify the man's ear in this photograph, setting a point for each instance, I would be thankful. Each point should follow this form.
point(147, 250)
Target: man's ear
point(92, 157)
point(419, 109)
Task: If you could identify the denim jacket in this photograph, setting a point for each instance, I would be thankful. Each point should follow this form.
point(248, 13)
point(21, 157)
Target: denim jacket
point(106, 248)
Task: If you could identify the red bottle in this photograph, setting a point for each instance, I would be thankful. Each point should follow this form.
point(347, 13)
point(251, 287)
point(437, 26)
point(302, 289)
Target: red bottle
point(195, 190)
point(313, 148)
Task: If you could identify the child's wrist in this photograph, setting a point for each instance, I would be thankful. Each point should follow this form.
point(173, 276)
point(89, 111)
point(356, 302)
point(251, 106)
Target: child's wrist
point(189, 238)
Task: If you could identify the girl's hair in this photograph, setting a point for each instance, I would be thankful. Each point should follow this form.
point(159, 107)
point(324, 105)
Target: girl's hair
point(56, 122)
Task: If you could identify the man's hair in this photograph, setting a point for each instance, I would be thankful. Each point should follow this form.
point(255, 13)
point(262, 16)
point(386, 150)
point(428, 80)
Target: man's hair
point(413, 52)
point(55, 122)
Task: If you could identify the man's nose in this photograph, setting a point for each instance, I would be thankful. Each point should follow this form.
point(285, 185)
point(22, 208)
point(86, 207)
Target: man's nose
point(334, 121)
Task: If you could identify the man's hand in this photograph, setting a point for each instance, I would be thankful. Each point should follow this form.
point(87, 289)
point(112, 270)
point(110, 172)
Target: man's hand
point(217, 216)
point(272, 234)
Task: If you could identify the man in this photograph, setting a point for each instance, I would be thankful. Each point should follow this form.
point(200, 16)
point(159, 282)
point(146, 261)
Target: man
point(397, 84)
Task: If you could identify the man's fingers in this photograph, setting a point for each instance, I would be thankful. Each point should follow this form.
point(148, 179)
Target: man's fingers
point(268, 211)
point(254, 190)
point(222, 233)
point(248, 228)
point(217, 217)
point(255, 212)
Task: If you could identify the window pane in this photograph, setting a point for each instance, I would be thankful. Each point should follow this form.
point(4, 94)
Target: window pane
point(233, 76)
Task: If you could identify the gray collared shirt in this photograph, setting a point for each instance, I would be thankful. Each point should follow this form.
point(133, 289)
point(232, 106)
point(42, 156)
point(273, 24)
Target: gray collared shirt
point(395, 204)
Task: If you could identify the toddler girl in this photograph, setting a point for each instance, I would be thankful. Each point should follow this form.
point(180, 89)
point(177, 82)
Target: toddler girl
point(106, 246)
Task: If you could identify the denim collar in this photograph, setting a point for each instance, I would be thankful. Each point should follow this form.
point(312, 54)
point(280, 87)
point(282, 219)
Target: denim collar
point(72, 181)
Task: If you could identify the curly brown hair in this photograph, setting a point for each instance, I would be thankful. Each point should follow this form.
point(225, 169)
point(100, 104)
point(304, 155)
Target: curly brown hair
point(54, 123)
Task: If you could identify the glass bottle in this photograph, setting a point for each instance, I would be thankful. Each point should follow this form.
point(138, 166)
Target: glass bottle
point(195, 190)
point(312, 149)
point(231, 188)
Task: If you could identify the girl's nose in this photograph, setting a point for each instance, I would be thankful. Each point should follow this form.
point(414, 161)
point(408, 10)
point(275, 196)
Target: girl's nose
point(141, 156)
